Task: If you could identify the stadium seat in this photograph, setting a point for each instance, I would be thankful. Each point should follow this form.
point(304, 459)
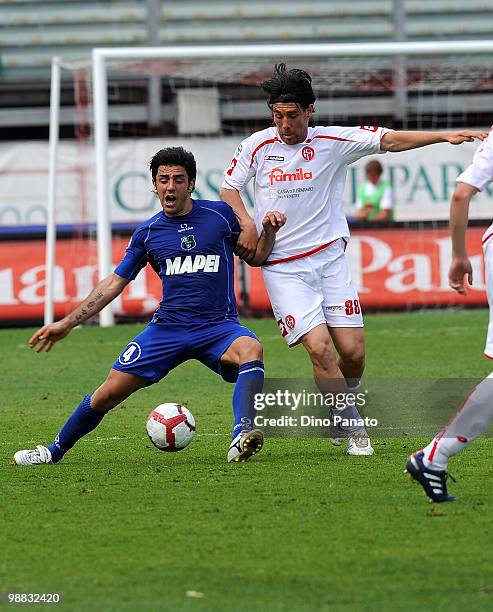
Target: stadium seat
point(31, 33)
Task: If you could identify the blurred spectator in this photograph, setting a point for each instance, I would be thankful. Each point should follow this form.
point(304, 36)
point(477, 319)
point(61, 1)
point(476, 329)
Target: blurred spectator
point(374, 201)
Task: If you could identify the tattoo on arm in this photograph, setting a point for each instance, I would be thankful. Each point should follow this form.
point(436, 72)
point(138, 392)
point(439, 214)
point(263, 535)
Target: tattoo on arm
point(79, 317)
point(86, 310)
point(96, 298)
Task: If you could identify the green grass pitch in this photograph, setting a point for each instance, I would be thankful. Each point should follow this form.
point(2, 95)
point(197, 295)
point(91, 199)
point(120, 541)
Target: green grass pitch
point(120, 526)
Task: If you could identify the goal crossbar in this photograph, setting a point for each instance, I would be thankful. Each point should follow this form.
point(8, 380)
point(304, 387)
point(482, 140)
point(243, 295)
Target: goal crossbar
point(101, 55)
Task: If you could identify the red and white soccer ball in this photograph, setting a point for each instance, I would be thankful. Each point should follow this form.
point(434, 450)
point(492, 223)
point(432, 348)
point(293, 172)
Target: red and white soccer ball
point(171, 427)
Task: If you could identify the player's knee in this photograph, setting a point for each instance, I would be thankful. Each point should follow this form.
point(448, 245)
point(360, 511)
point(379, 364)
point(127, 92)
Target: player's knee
point(354, 356)
point(321, 352)
point(250, 350)
point(106, 397)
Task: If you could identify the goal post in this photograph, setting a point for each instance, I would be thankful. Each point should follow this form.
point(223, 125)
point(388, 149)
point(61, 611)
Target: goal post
point(52, 183)
point(210, 100)
point(100, 57)
point(100, 102)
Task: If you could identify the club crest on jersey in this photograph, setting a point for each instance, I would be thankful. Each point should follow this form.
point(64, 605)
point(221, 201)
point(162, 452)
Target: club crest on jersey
point(277, 175)
point(188, 242)
point(308, 153)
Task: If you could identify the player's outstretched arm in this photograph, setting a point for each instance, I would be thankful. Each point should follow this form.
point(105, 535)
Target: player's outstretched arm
point(248, 238)
point(104, 292)
point(461, 267)
point(271, 223)
point(398, 140)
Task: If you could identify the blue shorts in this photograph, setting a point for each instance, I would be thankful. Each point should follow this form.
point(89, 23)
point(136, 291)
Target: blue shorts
point(162, 346)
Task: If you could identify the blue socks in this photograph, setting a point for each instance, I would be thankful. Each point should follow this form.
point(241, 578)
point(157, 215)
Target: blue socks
point(83, 420)
point(250, 381)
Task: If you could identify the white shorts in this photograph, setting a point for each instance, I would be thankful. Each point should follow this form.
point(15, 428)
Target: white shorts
point(488, 262)
point(311, 291)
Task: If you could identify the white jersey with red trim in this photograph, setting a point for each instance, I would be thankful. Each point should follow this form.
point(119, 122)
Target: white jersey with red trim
point(480, 172)
point(304, 181)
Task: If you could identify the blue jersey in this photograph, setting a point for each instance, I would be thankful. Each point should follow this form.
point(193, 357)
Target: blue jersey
point(193, 255)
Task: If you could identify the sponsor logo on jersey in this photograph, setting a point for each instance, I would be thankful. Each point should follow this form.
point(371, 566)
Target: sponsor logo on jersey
point(188, 242)
point(184, 227)
point(288, 192)
point(277, 175)
point(274, 158)
point(308, 153)
point(191, 264)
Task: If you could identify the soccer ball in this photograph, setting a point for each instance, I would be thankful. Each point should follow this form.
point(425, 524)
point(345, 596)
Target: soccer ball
point(170, 427)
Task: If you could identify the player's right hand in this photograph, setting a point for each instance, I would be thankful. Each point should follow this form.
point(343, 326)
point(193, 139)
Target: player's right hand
point(273, 221)
point(247, 241)
point(457, 138)
point(460, 268)
point(48, 335)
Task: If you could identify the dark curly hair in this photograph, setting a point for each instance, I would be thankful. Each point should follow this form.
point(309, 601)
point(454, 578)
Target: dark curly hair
point(174, 156)
point(293, 85)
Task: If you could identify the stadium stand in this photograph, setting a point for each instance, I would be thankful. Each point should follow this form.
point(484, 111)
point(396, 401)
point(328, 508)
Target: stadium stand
point(441, 91)
point(32, 32)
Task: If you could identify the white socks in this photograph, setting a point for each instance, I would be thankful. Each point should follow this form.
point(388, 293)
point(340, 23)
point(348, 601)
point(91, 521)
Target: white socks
point(353, 384)
point(350, 413)
point(469, 422)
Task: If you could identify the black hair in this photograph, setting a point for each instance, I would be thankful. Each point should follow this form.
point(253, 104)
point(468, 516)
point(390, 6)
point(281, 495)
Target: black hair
point(174, 156)
point(293, 85)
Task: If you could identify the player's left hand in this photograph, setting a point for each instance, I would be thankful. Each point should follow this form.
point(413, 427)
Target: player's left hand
point(457, 138)
point(460, 268)
point(48, 335)
point(273, 221)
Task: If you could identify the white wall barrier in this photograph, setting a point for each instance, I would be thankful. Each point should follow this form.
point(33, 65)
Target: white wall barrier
point(423, 180)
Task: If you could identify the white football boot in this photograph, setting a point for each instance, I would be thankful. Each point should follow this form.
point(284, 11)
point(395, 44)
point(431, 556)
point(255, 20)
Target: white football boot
point(359, 445)
point(37, 456)
point(245, 445)
point(337, 435)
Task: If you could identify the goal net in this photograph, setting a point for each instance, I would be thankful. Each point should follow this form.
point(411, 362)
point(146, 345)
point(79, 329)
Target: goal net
point(131, 102)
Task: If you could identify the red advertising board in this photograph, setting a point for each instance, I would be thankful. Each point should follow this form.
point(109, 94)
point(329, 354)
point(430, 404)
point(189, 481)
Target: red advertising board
point(22, 279)
point(395, 267)
point(400, 268)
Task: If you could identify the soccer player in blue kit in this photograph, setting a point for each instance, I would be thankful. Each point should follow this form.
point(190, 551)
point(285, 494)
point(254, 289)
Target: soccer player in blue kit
point(190, 245)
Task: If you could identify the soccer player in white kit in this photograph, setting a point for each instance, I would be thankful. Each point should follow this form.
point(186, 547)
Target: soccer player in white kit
point(429, 466)
point(301, 171)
